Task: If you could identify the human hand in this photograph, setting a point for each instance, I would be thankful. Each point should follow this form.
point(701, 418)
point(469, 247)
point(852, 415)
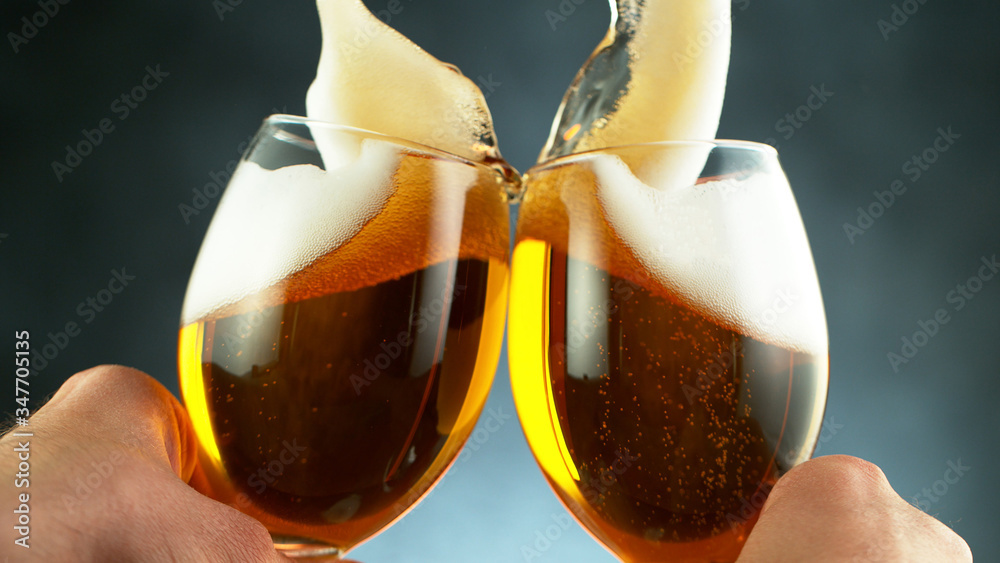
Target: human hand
point(110, 461)
point(113, 451)
point(841, 508)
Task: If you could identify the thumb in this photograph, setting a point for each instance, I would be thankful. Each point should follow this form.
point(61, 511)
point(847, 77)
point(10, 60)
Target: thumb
point(841, 508)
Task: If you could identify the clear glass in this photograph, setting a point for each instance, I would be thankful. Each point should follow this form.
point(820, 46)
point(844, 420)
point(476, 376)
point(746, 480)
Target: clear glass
point(341, 328)
point(667, 341)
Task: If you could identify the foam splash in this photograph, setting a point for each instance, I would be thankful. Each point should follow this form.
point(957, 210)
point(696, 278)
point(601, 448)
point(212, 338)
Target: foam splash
point(372, 77)
point(659, 74)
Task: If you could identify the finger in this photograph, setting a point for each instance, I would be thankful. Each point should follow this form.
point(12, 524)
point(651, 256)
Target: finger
point(840, 508)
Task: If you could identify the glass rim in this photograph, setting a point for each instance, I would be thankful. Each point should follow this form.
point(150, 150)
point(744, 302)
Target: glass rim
point(538, 166)
point(407, 143)
point(712, 143)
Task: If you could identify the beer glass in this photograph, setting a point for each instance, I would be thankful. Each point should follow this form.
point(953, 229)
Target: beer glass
point(667, 341)
point(341, 328)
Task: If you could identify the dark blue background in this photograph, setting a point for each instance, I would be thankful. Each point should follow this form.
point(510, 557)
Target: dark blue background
point(119, 209)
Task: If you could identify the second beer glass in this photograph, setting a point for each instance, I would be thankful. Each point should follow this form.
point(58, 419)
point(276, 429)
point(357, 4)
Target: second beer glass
point(667, 341)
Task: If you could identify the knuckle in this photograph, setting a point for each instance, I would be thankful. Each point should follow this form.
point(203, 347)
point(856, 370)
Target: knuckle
point(839, 473)
point(835, 482)
point(144, 406)
point(104, 382)
point(851, 468)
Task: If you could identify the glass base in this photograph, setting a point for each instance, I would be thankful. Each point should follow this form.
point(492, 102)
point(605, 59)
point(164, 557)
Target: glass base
point(304, 548)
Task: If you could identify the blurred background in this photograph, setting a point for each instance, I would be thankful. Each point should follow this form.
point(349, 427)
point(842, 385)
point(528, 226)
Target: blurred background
point(897, 76)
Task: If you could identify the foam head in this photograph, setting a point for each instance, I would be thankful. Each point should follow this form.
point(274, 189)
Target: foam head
point(273, 223)
point(733, 249)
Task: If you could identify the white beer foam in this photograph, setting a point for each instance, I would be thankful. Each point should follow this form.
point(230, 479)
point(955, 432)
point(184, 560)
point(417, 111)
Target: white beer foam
point(677, 56)
point(372, 77)
point(273, 223)
point(733, 250)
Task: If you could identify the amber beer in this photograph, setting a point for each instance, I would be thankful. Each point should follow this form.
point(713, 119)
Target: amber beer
point(321, 414)
point(661, 428)
point(330, 401)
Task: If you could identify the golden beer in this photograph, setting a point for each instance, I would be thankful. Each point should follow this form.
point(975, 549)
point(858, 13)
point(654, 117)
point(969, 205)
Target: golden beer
point(329, 402)
point(660, 426)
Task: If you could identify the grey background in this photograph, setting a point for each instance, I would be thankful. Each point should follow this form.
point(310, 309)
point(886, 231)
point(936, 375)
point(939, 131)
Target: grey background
point(119, 209)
